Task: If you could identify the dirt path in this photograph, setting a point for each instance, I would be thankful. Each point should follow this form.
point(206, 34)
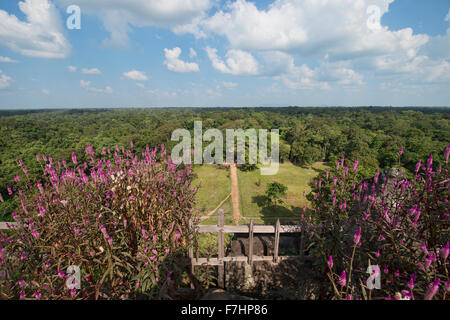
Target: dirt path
point(235, 193)
point(214, 211)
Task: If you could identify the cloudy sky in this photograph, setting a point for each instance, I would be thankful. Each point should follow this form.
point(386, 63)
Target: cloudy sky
point(138, 53)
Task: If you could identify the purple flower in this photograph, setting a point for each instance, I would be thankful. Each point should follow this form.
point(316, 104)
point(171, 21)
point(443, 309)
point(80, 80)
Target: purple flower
point(35, 234)
point(428, 261)
point(357, 236)
point(22, 295)
point(37, 295)
point(432, 289)
point(330, 262)
point(355, 165)
point(411, 283)
point(430, 162)
point(446, 154)
point(376, 176)
point(74, 158)
point(424, 248)
point(418, 166)
point(400, 152)
point(444, 251)
point(386, 216)
point(343, 278)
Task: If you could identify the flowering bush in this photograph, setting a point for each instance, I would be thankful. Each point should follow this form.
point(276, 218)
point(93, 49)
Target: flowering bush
point(122, 218)
point(398, 225)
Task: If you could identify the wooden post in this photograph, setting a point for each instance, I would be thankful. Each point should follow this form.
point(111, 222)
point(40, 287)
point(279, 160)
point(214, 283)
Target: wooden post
point(191, 247)
point(277, 241)
point(250, 243)
point(191, 251)
point(221, 252)
point(302, 240)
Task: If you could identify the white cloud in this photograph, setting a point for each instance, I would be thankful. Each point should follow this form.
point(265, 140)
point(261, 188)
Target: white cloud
point(7, 60)
point(42, 35)
point(229, 85)
point(118, 16)
point(87, 85)
point(5, 81)
point(72, 68)
point(281, 66)
point(447, 17)
point(136, 75)
point(175, 64)
point(93, 71)
point(329, 32)
point(238, 62)
point(46, 92)
point(192, 53)
point(140, 85)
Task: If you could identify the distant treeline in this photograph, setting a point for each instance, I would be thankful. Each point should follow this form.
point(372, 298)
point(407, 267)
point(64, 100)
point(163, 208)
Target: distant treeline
point(308, 134)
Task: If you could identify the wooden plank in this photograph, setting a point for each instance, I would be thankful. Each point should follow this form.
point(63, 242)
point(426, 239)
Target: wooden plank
point(221, 252)
point(244, 229)
point(277, 241)
point(250, 243)
point(7, 225)
point(216, 262)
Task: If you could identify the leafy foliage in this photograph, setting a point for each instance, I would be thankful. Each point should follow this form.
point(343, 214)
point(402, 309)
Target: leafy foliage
point(123, 218)
point(400, 226)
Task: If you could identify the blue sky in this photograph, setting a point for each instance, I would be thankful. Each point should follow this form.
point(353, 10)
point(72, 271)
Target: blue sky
point(143, 53)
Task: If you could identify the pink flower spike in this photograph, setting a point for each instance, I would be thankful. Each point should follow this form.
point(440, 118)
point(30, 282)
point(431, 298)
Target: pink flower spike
point(343, 279)
point(432, 289)
point(411, 283)
point(330, 262)
point(446, 154)
point(35, 234)
point(445, 251)
point(424, 248)
point(428, 261)
point(74, 158)
point(447, 286)
point(418, 166)
point(22, 295)
point(357, 237)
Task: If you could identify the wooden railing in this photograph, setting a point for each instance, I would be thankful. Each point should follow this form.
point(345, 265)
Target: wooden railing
point(251, 229)
point(221, 229)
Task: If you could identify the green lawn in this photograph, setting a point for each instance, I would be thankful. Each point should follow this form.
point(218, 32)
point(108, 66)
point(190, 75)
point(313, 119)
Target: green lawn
point(215, 186)
point(252, 186)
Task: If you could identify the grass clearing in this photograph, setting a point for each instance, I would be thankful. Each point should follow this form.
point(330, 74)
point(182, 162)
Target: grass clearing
point(215, 186)
point(252, 186)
